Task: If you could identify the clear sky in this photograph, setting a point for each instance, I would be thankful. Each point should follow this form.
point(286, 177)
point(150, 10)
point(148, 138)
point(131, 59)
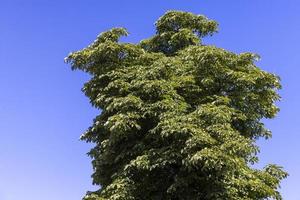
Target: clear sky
point(43, 112)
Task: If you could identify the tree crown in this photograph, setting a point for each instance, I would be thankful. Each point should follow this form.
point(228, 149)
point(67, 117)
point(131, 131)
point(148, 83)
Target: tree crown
point(176, 110)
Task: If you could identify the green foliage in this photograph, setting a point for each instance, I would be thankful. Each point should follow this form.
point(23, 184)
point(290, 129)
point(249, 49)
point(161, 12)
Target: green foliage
point(179, 119)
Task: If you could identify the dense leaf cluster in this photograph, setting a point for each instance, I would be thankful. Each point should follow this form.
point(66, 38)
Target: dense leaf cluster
point(179, 119)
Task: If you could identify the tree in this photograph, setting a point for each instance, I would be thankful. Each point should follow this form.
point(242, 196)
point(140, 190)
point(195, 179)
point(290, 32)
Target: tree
point(179, 119)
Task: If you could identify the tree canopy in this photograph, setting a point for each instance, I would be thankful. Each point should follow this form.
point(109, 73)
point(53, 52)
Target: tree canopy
point(179, 119)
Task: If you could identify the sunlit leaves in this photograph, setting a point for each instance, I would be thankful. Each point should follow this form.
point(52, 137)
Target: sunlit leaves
point(179, 119)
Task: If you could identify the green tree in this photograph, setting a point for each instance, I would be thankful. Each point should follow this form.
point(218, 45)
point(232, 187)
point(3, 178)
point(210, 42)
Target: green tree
point(179, 119)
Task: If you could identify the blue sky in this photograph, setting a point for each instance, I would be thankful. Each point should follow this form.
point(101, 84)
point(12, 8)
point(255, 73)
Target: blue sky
point(43, 112)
